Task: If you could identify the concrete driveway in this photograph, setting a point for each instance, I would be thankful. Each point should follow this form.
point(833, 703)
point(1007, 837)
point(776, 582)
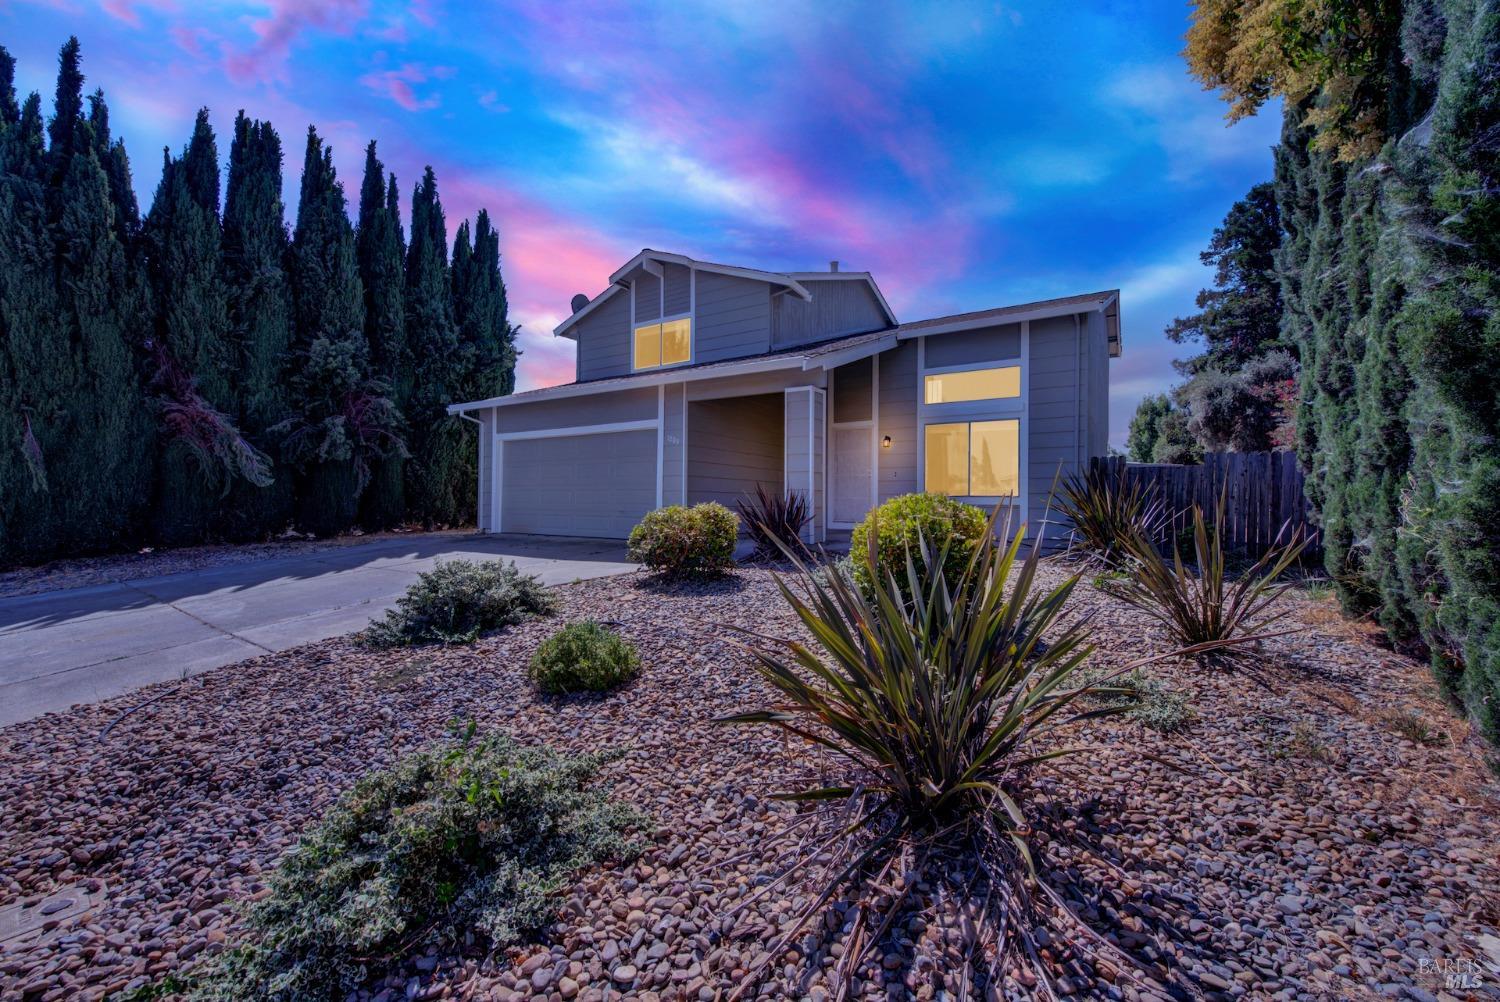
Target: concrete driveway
point(85, 644)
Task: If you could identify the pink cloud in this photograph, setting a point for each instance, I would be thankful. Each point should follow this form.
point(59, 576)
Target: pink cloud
point(129, 10)
point(397, 84)
point(286, 22)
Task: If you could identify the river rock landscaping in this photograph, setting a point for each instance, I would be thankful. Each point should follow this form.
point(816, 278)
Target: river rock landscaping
point(1332, 834)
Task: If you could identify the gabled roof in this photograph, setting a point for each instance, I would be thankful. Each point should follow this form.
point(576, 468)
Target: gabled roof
point(824, 354)
point(789, 282)
point(1088, 302)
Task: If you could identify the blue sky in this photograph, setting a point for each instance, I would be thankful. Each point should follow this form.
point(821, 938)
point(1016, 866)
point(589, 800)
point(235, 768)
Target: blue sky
point(969, 155)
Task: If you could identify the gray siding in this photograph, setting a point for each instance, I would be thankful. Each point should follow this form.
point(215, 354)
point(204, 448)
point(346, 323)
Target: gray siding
point(1097, 377)
point(987, 344)
point(820, 464)
point(589, 485)
point(734, 444)
point(733, 319)
point(679, 289)
point(898, 419)
point(567, 412)
point(674, 443)
point(838, 307)
point(604, 339)
point(1055, 408)
point(486, 470)
point(647, 297)
point(851, 391)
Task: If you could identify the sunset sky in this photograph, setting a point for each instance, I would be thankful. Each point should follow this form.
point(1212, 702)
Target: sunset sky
point(969, 155)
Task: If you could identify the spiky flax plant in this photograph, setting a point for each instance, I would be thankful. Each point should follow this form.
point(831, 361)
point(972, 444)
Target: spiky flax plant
point(931, 711)
point(1202, 603)
point(1105, 511)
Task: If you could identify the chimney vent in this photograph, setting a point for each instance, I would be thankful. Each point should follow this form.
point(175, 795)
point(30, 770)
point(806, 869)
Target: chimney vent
point(579, 302)
point(833, 266)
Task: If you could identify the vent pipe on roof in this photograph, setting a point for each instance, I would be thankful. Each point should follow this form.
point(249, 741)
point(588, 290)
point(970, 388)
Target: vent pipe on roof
point(833, 266)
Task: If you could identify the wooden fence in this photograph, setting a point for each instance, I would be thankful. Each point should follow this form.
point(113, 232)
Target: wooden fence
point(1264, 499)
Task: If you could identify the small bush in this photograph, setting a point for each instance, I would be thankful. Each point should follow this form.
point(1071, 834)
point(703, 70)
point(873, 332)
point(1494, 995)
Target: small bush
point(775, 522)
point(685, 542)
point(1148, 701)
point(583, 657)
point(475, 838)
point(457, 601)
point(903, 523)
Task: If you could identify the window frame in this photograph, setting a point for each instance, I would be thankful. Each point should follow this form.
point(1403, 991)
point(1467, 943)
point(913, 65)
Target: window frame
point(1004, 363)
point(691, 316)
point(968, 425)
point(970, 411)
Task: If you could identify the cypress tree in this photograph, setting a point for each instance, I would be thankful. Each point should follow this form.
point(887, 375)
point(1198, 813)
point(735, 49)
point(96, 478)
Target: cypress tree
point(437, 442)
point(342, 418)
point(37, 365)
point(106, 466)
point(116, 164)
point(481, 310)
point(190, 349)
point(260, 320)
point(379, 250)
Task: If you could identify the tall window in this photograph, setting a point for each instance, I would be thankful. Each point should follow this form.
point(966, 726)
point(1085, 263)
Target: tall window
point(973, 384)
point(974, 458)
point(669, 342)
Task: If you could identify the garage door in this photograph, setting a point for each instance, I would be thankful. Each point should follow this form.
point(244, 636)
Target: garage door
point(584, 485)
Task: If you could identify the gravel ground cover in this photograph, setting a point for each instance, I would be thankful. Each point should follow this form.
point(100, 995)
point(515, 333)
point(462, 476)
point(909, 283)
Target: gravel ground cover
point(80, 572)
point(1301, 840)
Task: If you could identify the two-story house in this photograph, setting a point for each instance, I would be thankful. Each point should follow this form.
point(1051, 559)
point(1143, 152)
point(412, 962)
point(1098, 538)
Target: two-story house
point(698, 381)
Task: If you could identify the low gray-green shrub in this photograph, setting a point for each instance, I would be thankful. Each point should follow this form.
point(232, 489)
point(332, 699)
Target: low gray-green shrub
point(458, 600)
point(583, 657)
point(685, 542)
point(1148, 701)
point(902, 525)
point(473, 838)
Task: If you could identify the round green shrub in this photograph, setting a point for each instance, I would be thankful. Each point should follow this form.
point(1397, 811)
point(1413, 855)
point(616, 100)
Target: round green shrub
point(583, 657)
point(458, 600)
point(906, 520)
point(682, 542)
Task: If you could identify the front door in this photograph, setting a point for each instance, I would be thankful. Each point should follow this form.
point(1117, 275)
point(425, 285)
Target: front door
point(852, 482)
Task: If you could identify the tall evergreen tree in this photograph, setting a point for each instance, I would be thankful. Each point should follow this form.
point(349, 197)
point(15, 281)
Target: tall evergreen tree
point(116, 164)
point(342, 418)
point(379, 248)
point(38, 368)
point(436, 441)
point(481, 311)
point(260, 320)
point(190, 350)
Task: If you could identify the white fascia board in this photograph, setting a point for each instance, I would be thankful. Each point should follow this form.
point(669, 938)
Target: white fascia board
point(561, 329)
point(857, 276)
point(854, 353)
point(1041, 313)
point(654, 379)
point(772, 277)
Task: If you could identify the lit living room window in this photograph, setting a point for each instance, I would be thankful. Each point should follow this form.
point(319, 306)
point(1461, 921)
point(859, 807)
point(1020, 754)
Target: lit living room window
point(974, 458)
point(667, 343)
point(973, 384)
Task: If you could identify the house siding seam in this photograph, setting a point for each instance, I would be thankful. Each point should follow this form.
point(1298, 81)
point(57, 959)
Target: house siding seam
point(736, 446)
point(1054, 387)
point(733, 318)
point(898, 418)
point(839, 307)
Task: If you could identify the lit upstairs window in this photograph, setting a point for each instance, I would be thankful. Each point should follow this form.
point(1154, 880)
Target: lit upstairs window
point(973, 384)
point(669, 342)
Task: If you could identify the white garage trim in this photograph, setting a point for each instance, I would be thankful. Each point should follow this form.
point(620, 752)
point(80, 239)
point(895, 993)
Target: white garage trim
point(579, 429)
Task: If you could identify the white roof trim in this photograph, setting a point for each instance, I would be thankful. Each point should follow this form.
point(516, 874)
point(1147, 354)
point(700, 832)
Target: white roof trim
point(974, 323)
point(863, 276)
point(654, 379)
point(560, 329)
point(853, 353)
point(773, 277)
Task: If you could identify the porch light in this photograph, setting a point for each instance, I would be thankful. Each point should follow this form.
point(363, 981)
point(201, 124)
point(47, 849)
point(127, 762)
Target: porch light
point(885, 443)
